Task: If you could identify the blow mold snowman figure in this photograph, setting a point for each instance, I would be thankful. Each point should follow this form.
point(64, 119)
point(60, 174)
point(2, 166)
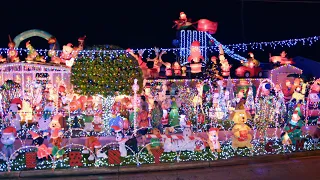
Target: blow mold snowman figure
point(13, 116)
point(8, 138)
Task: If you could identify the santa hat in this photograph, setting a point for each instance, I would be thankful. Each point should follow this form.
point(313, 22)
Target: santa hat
point(318, 122)
point(213, 129)
point(250, 54)
point(296, 115)
point(62, 88)
point(55, 133)
point(69, 44)
point(34, 135)
point(90, 98)
point(17, 101)
point(188, 124)
point(116, 128)
point(313, 91)
point(82, 38)
point(10, 130)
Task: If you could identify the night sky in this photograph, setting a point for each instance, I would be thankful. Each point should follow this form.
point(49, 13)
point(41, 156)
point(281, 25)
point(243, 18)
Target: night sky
point(145, 24)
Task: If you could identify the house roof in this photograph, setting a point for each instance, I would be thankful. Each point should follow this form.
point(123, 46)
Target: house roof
point(309, 67)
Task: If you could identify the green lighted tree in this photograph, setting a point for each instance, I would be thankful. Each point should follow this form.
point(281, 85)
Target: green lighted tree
point(105, 73)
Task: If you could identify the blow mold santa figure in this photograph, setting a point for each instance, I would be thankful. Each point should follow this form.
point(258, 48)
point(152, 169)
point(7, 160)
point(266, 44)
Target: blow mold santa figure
point(8, 138)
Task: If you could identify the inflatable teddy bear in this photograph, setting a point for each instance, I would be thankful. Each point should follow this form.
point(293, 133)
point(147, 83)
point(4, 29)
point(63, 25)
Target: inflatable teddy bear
point(66, 55)
point(13, 116)
point(241, 137)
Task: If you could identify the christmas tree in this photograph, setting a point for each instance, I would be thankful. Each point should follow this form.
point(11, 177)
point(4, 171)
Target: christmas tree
point(105, 72)
point(265, 114)
point(174, 114)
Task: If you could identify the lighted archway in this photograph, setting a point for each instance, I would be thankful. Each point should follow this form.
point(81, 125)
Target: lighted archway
point(32, 33)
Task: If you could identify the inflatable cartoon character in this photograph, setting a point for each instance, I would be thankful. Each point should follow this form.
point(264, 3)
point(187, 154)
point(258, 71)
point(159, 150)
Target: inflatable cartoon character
point(66, 55)
point(241, 137)
point(213, 140)
point(43, 151)
point(155, 141)
point(121, 141)
point(294, 128)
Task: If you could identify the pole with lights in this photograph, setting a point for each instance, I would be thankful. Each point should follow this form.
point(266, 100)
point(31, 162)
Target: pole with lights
point(135, 88)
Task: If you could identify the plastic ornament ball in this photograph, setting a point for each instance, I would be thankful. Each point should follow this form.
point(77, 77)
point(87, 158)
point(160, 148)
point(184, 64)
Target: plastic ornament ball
point(267, 86)
point(51, 53)
point(211, 42)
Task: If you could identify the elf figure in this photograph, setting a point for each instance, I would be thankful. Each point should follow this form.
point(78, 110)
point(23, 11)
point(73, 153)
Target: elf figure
point(294, 128)
point(88, 115)
point(43, 152)
point(8, 138)
point(97, 119)
point(56, 141)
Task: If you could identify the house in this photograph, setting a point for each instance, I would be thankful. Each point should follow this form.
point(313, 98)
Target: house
point(309, 67)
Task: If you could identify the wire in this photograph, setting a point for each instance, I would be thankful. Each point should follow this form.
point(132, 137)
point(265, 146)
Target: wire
point(277, 1)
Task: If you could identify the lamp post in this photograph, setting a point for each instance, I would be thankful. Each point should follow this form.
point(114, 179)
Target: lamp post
point(135, 88)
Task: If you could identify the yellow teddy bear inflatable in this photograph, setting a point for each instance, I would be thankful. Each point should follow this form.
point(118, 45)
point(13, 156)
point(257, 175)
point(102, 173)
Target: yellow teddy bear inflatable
point(241, 137)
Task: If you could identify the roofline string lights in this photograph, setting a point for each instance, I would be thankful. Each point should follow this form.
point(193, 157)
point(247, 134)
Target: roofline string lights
point(233, 47)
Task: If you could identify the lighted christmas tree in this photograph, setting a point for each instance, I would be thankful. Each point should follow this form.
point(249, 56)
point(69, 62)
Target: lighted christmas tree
point(174, 114)
point(105, 72)
point(265, 114)
point(222, 106)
